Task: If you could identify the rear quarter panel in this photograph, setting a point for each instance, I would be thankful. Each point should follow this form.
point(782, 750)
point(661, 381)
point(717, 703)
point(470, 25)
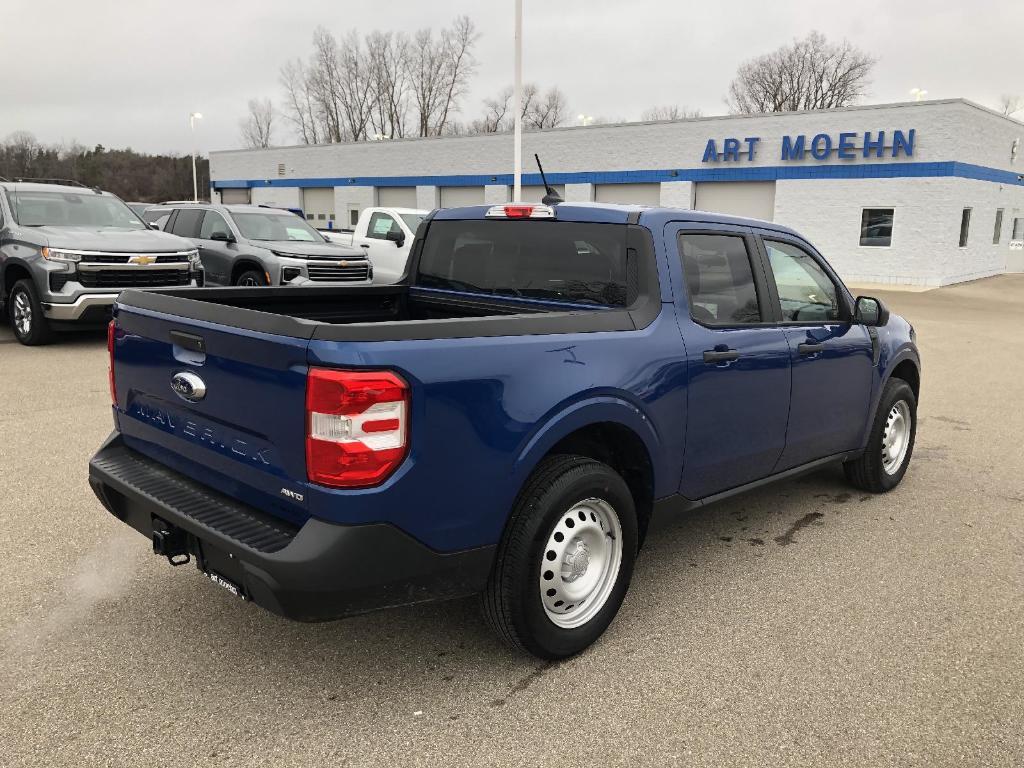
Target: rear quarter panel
point(484, 411)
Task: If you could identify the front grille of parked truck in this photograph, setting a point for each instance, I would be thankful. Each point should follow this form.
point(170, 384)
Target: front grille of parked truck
point(133, 278)
point(354, 272)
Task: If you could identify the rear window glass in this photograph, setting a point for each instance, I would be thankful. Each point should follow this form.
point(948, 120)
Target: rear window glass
point(555, 260)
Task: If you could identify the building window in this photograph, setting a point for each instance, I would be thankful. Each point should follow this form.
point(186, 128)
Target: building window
point(965, 226)
point(1018, 229)
point(353, 217)
point(997, 233)
point(876, 227)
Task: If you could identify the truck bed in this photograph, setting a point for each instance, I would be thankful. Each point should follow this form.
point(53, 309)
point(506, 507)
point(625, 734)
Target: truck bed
point(381, 313)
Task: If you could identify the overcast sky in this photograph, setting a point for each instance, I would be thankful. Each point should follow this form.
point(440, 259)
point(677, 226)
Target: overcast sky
point(128, 73)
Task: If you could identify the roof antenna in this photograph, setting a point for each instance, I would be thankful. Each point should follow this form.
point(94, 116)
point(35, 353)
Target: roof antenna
point(551, 197)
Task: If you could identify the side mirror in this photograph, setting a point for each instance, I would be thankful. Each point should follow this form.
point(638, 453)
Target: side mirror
point(870, 311)
point(396, 236)
point(223, 237)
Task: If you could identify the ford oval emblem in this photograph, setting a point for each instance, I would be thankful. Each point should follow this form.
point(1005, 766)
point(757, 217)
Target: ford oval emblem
point(188, 386)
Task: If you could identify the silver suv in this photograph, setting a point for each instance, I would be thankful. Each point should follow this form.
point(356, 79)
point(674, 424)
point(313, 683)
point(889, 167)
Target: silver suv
point(66, 251)
point(257, 245)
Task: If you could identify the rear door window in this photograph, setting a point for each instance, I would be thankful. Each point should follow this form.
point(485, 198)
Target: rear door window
point(554, 260)
point(188, 222)
point(719, 279)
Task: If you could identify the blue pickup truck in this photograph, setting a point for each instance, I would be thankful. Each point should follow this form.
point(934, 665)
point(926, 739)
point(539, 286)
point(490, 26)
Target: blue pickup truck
point(504, 420)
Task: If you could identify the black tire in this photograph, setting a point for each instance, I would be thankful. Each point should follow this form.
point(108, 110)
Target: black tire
point(251, 277)
point(31, 330)
point(512, 601)
point(868, 472)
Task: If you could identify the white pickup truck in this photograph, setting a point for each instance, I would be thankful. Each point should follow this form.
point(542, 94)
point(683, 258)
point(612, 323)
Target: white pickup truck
point(386, 234)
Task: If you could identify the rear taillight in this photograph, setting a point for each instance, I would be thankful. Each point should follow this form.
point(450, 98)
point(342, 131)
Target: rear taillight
point(111, 330)
point(356, 426)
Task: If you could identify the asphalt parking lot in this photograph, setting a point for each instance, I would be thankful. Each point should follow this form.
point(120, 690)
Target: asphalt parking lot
point(803, 624)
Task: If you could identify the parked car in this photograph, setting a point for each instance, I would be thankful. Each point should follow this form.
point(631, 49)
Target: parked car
point(386, 234)
point(254, 245)
point(66, 252)
point(505, 420)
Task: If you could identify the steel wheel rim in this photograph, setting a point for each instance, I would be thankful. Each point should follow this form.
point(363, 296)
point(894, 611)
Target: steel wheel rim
point(22, 313)
point(580, 563)
point(896, 437)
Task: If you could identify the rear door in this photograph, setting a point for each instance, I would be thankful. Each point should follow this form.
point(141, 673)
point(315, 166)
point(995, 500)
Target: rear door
point(245, 435)
point(832, 357)
point(738, 360)
point(218, 255)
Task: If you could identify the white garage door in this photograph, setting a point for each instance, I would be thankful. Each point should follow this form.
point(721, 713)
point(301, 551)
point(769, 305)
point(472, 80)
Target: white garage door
point(396, 197)
point(637, 194)
point(752, 199)
point(234, 196)
point(454, 197)
point(318, 205)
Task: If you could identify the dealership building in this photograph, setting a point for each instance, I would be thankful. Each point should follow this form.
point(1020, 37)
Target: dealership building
point(925, 193)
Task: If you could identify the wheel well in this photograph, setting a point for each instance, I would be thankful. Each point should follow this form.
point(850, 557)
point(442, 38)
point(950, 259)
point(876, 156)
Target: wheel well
point(909, 373)
point(13, 274)
point(621, 449)
point(245, 266)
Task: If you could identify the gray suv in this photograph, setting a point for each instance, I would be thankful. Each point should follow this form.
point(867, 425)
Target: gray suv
point(256, 245)
point(66, 251)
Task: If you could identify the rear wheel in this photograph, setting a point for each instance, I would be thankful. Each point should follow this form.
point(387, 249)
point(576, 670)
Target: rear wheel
point(251, 278)
point(26, 315)
point(891, 443)
point(565, 562)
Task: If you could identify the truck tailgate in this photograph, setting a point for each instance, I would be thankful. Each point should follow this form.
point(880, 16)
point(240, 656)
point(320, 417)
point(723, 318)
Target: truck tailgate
point(245, 436)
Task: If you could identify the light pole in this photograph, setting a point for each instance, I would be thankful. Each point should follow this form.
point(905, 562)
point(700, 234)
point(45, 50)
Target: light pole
point(192, 117)
point(517, 132)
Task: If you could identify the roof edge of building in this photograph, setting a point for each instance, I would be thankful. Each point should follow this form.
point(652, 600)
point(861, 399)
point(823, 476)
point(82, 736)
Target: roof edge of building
point(633, 124)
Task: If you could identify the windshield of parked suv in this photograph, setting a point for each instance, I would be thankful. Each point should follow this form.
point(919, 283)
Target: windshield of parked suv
point(412, 220)
point(71, 209)
point(561, 261)
point(275, 226)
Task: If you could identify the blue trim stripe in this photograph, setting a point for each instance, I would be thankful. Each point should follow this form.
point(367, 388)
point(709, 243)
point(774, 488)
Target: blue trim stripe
point(717, 173)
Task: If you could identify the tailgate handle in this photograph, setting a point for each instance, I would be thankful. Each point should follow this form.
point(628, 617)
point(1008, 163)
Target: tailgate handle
point(188, 341)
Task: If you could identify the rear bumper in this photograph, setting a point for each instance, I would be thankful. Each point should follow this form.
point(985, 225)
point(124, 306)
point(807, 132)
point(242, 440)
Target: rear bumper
point(313, 572)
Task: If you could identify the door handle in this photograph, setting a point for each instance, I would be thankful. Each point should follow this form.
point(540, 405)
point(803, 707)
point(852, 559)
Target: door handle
point(809, 349)
point(364, 245)
point(720, 355)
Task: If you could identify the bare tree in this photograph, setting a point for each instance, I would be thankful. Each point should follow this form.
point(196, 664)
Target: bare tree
point(1010, 104)
point(389, 61)
point(257, 127)
point(440, 68)
point(356, 94)
point(496, 111)
point(299, 102)
point(546, 112)
point(325, 86)
point(670, 112)
point(809, 74)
